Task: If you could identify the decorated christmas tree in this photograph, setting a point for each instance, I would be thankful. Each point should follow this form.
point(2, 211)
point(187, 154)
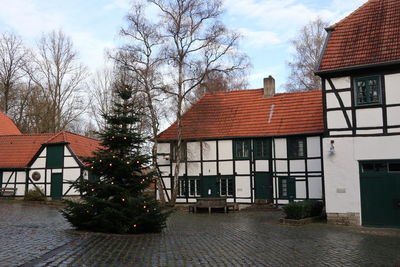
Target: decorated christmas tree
point(113, 199)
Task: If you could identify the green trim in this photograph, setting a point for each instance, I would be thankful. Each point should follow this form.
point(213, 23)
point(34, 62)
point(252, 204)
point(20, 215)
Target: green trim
point(294, 149)
point(369, 90)
point(55, 157)
point(241, 148)
point(287, 188)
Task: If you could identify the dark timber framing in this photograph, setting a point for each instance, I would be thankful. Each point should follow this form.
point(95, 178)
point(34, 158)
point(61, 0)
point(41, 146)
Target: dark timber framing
point(300, 176)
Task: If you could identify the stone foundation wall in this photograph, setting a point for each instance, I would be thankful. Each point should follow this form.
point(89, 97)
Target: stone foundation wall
point(351, 218)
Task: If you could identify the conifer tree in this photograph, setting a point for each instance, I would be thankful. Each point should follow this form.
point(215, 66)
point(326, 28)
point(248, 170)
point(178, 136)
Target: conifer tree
point(114, 201)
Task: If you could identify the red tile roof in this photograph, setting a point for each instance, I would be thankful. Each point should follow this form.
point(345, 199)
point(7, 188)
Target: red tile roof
point(7, 126)
point(246, 113)
point(369, 35)
point(16, 151)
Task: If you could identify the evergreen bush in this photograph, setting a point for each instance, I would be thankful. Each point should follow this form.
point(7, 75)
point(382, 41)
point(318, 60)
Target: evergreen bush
point(35, 194)
point(303, 209)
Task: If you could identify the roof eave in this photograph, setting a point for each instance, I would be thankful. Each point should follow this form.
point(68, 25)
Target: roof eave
point(357, 67)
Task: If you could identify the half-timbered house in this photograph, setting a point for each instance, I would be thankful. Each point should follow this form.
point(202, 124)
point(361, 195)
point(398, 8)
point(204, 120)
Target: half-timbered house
point(360, 71)
point(49, 162)
point(248, 146)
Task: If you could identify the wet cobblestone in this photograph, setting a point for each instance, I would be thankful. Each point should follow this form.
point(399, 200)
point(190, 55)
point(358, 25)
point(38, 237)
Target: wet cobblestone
point(235, 239)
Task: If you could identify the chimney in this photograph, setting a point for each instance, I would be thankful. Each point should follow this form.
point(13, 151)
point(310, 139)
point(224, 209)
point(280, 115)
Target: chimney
point(269, 86)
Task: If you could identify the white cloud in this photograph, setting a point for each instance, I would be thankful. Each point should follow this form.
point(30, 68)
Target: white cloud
point(258, 39)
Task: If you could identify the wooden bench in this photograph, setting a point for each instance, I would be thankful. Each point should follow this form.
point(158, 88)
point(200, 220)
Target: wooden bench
point(8, 191)
point(212, 203)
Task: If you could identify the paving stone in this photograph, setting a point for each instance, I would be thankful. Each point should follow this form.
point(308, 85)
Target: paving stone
point(39, 236)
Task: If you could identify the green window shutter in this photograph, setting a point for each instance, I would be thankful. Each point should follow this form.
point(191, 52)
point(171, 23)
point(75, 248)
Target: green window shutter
point(55, 156)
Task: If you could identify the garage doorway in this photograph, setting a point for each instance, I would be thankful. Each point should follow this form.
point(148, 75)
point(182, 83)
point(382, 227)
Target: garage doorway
point(380, 193)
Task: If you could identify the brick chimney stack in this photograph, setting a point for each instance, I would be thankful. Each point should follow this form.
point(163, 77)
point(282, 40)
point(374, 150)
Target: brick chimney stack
point(269, 86)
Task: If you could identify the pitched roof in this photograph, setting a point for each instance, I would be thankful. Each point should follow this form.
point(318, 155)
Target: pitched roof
point(7, 126)
point(369, 35)
point(16, 151)
point(246, 113)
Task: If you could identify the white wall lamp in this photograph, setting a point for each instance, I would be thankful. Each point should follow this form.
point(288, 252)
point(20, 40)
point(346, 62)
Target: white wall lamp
point(332, 147)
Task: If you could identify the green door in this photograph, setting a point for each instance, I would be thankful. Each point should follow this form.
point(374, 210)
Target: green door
point(380, 195)
point(263, 186)
point(209, 186)
point(56, 186)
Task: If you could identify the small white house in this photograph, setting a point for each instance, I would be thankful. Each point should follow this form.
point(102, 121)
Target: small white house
point(46, 161)
point(248, 146)
point(360, 71)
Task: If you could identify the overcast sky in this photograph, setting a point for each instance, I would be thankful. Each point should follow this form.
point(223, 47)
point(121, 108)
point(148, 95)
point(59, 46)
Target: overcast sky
point(93, 25)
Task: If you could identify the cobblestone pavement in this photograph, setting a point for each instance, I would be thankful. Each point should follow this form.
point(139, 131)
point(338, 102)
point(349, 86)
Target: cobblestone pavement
point(235, 239)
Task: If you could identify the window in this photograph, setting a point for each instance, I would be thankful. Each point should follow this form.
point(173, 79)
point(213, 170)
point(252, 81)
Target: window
point(241, 149)
point(394, 167)
point(368, 90)
point(189, 187)
point(287, 187)
point(374, 167)
point(194, 187)
point(174, 151)
point(296, 147)
point(262, 148)
point(226, 185)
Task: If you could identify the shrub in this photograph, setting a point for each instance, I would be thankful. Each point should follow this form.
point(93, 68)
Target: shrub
point(303, 209)
point(35, 194)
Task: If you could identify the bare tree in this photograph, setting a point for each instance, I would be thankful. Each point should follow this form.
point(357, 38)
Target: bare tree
point(12, 61)
point(140, 59)
point(308, 47)
point(195, 45)
point(56, 72)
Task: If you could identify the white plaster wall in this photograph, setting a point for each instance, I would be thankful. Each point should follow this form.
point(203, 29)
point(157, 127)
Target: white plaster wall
point(280, 148)
point(226, 167)
point(301, 189)
point(71, 174)
point(182, 169)
point(66, 151)
point(209, 168)
point(369, 117)
point(394, 130)
point(314, 146)
point(281, 166)
point(20, 190)
point(39, 163)
point(163, 159)
point(314, 165)
point(242, 186)
point(165, 170)
point(333, 102)
point(194, 169)
point(339, 83)
point(315, 187)
point(70, 162)
point(193, 151)
point(163, 148)
point(6, 177)
point(392, 88)
point(21, 177)
point(48, 175)
point(369, 131)
point(210, 150)
point(340, 132)
point(242, 167)
point(225, 149)
point(262, 165)
point(57, 170)
point(341, 169)
point(393, 115)
point(297, 165)
point(43, 153)
point(167, 182)
point(336, 119)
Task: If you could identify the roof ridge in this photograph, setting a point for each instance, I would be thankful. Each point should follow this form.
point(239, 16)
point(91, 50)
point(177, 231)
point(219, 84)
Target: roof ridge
point(79, 135)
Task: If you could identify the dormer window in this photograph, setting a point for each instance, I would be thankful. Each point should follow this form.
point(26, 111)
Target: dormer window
point(368, 90)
